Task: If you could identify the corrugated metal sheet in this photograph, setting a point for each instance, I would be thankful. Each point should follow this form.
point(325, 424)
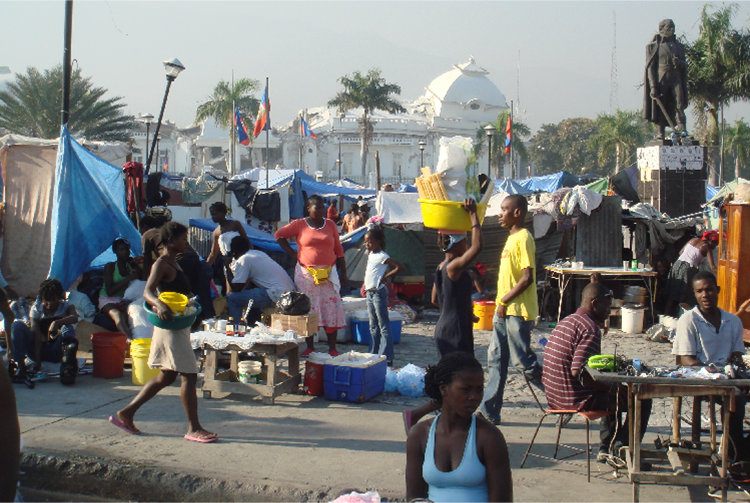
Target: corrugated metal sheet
point(599, 235)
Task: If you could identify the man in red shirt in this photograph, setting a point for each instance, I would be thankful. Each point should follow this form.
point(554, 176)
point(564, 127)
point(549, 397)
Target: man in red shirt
point(332, 213)
point(575, 339)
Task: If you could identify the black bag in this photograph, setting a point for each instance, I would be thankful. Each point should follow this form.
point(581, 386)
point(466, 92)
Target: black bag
point(69, 364)
point(294, 303)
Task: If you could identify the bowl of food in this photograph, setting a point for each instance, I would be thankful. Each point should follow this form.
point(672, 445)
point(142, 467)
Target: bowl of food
point(177, 322)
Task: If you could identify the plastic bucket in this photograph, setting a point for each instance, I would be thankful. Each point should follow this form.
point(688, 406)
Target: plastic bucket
point(449, 215)
point(314, 374)
point(248, 371)
point(485, 311)
point(175, 301)
point(109, 354)
point(632, 319)
point(139, 352)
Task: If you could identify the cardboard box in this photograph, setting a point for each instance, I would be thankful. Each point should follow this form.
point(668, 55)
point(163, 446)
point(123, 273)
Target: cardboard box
point(305, 326)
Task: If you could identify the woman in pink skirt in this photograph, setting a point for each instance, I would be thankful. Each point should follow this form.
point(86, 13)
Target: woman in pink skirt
point(320, 269)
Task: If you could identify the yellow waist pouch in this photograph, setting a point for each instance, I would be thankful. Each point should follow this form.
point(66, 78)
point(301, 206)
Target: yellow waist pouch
point(320, 274)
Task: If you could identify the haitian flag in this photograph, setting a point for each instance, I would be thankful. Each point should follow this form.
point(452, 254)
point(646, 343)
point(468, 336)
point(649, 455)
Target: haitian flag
point(166, 160)
point(508, 136)
point(306, 131)
point(242, 136)
point(261, 122)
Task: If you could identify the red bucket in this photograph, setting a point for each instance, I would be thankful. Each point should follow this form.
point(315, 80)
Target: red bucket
point(313, 384)
point(109, 354)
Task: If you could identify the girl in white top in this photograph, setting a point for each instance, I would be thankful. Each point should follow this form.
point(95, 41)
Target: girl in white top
point(381, 339)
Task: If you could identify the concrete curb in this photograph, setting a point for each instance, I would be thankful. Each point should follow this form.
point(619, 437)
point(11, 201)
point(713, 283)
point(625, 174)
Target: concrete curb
point(127, 481)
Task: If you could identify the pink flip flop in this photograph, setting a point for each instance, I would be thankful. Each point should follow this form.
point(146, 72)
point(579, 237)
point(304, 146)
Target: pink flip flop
point(201, 440)
point(116, 421)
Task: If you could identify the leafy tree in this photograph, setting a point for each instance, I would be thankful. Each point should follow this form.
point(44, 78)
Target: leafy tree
point(31, 107)
point(718, 68)
point(520, 133)
point(737, 145)
point(564, 146)
point(618, 135)
point(219, 106)
point(370, 92)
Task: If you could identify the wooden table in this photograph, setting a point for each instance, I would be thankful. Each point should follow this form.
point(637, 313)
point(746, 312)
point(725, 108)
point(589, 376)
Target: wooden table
point(645, 388)
point(563, 275)
point(277, 381)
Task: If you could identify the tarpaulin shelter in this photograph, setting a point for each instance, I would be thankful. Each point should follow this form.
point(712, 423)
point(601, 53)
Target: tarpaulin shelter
point(511, 187)
point(88, 211)
point(278, 177)
point(549, 183)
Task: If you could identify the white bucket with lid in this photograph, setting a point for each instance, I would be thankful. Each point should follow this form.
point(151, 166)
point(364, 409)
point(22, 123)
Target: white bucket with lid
point(248, 371)
point(632, 318)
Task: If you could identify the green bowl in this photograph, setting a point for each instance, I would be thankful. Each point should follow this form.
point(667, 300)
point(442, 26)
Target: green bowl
point(177, 322)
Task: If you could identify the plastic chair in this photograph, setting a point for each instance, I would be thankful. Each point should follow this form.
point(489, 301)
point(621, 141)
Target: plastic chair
point(560, 414)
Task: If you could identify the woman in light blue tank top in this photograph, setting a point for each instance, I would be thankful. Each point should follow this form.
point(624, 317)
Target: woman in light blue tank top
point(457, 456)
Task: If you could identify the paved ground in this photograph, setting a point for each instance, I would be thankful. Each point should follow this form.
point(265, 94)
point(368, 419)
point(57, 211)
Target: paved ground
point(301, 448)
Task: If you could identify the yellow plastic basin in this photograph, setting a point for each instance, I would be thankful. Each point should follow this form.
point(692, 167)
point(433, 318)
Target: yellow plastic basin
point(449, 215)
point(175, 301)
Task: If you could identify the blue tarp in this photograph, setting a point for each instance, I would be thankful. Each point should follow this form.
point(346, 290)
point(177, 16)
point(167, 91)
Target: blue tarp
point(265, 241)
point(281, 176)
point(88, 211)
point(711, 192)
point(549, 183)
point(511, 187)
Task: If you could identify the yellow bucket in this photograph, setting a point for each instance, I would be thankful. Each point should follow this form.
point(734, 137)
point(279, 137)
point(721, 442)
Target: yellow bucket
point(449, 215)
point(139, 351)
point(175, 301)
point(485, 311)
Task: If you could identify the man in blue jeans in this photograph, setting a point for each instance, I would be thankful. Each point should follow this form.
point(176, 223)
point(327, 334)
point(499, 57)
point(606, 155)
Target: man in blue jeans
point(257, 277)
point(516, 309)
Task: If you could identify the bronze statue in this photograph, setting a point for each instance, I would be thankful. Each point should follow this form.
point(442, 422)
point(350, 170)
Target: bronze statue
point(665, 95)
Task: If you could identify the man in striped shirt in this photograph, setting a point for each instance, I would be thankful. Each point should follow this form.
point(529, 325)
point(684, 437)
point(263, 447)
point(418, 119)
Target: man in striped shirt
point(575, 339)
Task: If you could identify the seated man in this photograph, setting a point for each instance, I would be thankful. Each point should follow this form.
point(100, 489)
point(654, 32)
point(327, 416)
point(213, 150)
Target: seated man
point(254, 266)
point(707, 334)
point(575, 339)
point(52, 318)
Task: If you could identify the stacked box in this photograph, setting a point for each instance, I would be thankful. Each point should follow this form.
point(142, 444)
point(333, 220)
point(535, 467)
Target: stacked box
point(345, 381)
point(305, 325)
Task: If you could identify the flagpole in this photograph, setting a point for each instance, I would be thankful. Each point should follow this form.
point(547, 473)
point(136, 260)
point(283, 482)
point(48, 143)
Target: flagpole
point(268, 126)
point(233, 126)
point(301, 139)
point(511, 139)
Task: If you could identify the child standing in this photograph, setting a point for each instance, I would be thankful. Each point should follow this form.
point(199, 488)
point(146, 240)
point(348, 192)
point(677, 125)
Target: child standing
point(381, 339)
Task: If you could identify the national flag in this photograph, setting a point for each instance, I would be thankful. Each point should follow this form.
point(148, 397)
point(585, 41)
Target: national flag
point(242, 136)
point(305, 129)
point(508, 135)
point(166, 160)
point(261, 122)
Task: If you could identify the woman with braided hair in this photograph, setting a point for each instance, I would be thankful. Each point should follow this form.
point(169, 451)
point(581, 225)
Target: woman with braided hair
point(457, 456)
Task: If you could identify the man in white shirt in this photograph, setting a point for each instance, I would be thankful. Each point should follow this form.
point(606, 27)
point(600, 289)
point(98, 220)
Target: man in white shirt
point(709, 335)
point(253, 266)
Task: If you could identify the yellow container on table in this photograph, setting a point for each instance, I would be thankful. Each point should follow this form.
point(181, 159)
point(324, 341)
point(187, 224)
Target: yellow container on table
point(175, 301)
point(449, 215)
point(485, 311)
point(139, 352)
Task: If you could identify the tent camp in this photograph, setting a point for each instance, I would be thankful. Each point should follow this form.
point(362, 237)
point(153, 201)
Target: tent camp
point(76, 208)
point(278, 177)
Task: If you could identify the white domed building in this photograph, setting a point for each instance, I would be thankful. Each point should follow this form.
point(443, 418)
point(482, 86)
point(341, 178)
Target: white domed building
point(458, 102)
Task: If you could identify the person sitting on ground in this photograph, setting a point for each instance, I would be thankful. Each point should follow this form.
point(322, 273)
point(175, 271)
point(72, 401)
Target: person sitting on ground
point(458, 455)
point(52, 319)
point(349, 220)
point(709, 335)
point(568, 387)
point(678, 286)
point(117, 277)
point(478, 273)
point(253, 267)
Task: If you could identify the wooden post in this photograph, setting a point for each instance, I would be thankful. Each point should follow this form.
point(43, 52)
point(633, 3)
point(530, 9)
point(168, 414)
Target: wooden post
point(377, 171)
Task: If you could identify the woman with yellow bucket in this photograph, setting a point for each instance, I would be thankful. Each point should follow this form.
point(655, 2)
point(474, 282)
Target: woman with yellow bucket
point(321, 268)
point(170, 349)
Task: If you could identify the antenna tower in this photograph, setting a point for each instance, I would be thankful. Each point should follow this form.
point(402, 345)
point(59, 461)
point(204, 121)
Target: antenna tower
point(614, 102)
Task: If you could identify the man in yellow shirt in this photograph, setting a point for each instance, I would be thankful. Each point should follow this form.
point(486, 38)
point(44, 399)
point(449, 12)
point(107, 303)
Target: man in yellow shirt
point(517, 308)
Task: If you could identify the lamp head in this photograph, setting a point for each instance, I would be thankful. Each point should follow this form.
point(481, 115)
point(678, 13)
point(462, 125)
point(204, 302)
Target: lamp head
point(147, 118)
point(489, 129)
point(173, 68)
point(422, 144)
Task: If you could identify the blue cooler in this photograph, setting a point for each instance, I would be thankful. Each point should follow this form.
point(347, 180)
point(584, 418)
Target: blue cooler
point(354, 381)
point(360, 326)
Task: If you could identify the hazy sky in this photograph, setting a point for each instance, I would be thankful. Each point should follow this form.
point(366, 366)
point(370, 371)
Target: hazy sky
point(304, 47)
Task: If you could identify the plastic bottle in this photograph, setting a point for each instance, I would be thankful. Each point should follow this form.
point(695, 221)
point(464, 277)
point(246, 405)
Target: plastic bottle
point(230, 326)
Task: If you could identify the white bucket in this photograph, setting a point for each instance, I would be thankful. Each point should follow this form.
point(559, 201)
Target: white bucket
point(248, 371)
point(632, 319)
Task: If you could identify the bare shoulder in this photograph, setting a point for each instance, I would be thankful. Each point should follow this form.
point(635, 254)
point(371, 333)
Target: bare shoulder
point(419, 432)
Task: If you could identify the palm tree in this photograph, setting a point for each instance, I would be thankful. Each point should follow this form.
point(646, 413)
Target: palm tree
point(718, 71)
point(737, 144)
point(220, 105)
point(618, 134)
point(520, 133)
point(370, 92)
point(31, 107)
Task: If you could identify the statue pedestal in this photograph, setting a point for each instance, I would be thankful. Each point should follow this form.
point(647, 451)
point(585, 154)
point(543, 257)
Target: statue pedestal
point(673, 178)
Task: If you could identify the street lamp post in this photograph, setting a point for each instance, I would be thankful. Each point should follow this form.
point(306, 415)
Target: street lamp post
point(422, 145)
point(341, 118)
point(338, 165)
point(489, 130)
point(172, 69)
point(147, 119)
